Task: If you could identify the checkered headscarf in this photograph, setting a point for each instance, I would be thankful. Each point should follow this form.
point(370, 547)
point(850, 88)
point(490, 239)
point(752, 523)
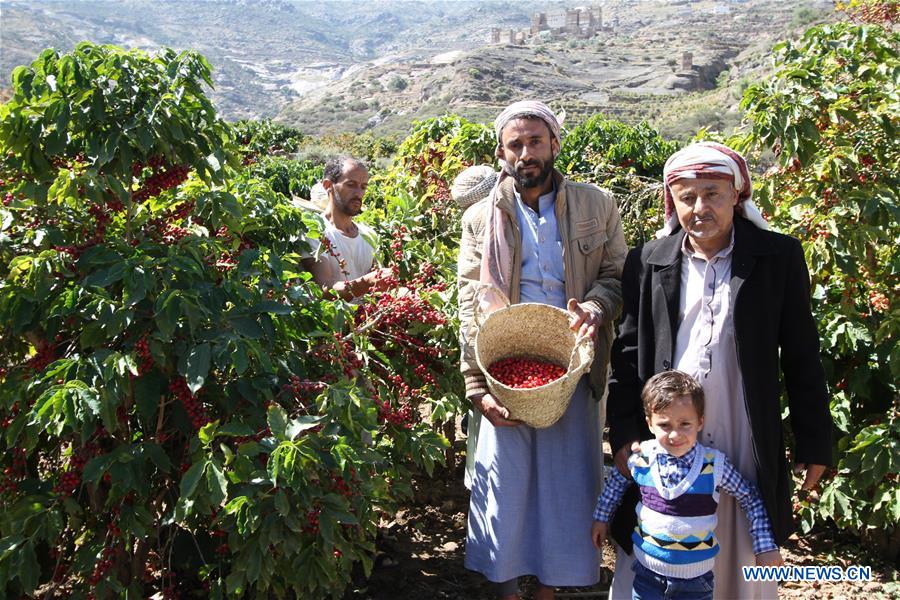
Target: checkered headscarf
point(709, 160)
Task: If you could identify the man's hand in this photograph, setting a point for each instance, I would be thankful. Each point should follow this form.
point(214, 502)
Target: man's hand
point(378, 279)
point(586, 319)
point(494, 411)
point(621, 458)
point(772, 558)
point(813, 474)
point(598, 533)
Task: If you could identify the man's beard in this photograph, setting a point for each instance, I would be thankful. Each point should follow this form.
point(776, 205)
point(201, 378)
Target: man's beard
point(539, 179)
point(343, 206)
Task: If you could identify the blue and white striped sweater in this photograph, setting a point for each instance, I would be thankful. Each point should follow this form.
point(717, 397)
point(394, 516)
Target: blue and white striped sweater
point(674, 536)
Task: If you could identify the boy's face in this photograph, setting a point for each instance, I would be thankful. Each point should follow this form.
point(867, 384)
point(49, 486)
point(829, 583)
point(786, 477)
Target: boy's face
point(676, 427)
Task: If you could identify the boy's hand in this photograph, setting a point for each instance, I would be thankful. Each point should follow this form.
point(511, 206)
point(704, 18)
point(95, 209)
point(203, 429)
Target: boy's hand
point(598, 533)
point(772, 558)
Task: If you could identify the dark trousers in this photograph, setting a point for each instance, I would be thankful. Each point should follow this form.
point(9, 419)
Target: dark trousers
point(653, 586)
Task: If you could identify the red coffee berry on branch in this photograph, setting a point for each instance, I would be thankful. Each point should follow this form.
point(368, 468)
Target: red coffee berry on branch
point(71, 479)
point(46, 354)
point(142, 347)
point(192, 405)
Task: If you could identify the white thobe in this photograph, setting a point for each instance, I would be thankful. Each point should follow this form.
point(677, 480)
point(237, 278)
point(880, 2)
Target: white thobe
point(705, 347)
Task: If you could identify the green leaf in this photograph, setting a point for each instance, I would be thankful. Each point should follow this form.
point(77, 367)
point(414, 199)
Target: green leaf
point(247, 327)
point(207, 433)
point(247, 258)
point(168, 311)
point(277, 418)
point(235, 582)
point(271, 306)
point(29, 568)
point(236, 504)
point(235, 429)
point(218, 485)
point(835, 503)
point(197, 367)
point(137, 284)
point(281, 503)
point(96, 467)
point(148, 390)
point(893, 505)
point(191, 478)
point(158, 456)
point(105, 277)
point(297, 426)
point(241, 359)
point(326, 528)
point(9, 544)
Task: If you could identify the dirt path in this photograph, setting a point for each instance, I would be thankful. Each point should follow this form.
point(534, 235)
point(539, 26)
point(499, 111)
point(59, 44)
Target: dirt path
point(424, 545)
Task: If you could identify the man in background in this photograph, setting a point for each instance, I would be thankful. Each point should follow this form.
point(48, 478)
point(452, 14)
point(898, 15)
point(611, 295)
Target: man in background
point(346, 265)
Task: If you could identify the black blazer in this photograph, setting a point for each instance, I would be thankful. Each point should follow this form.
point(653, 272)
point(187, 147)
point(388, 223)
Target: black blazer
point(777, 342)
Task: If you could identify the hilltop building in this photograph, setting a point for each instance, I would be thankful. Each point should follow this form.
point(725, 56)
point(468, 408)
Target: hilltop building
point(568, 24)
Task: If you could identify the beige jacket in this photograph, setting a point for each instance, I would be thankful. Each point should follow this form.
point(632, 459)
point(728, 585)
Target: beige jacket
point(593, 254)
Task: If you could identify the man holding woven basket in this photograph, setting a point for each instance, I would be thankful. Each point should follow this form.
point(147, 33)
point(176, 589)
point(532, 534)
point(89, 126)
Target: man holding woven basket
point(538, 238)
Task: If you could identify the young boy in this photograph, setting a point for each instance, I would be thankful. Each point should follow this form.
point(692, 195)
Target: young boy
point(680, 481)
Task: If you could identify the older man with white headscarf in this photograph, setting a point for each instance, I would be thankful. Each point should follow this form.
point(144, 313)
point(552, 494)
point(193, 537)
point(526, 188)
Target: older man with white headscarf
point(538, 238)
point(720, 297)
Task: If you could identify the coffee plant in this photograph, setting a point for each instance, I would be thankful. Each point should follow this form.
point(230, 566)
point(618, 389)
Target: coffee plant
point(265, 138)
point(628, 161)
point(182, 411)
point(428, 160)
point(287, 176)
point(419, 225)
point(604, 143)
point(882, 12)
point(830, 114)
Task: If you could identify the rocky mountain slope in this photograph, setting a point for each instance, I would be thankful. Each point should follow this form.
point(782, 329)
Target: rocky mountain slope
point(340, 65)
point(630, 69)
point(264, 52)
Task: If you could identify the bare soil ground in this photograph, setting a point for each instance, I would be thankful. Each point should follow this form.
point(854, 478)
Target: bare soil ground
point(422, 548)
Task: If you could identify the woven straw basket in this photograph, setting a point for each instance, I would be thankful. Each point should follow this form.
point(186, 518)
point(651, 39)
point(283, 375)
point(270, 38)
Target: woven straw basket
point(537, 331)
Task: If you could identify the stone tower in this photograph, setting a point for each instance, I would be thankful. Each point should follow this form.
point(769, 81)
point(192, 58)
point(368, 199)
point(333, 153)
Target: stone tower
point(687, 61)
point(572, 21)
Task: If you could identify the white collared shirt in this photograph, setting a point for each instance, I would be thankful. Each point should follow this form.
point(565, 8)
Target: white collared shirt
point(705, 348)
point(703, 310)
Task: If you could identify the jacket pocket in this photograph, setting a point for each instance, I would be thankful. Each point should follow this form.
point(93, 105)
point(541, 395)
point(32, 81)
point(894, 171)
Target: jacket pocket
point(587, 243)
point(588, 249)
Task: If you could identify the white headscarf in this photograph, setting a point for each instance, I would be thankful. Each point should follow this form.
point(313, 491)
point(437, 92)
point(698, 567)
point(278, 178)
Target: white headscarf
point(530, 108)
point(496, 259)
point(473, 184)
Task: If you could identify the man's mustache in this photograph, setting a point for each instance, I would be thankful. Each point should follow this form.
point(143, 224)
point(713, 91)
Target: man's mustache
point(522, 165)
